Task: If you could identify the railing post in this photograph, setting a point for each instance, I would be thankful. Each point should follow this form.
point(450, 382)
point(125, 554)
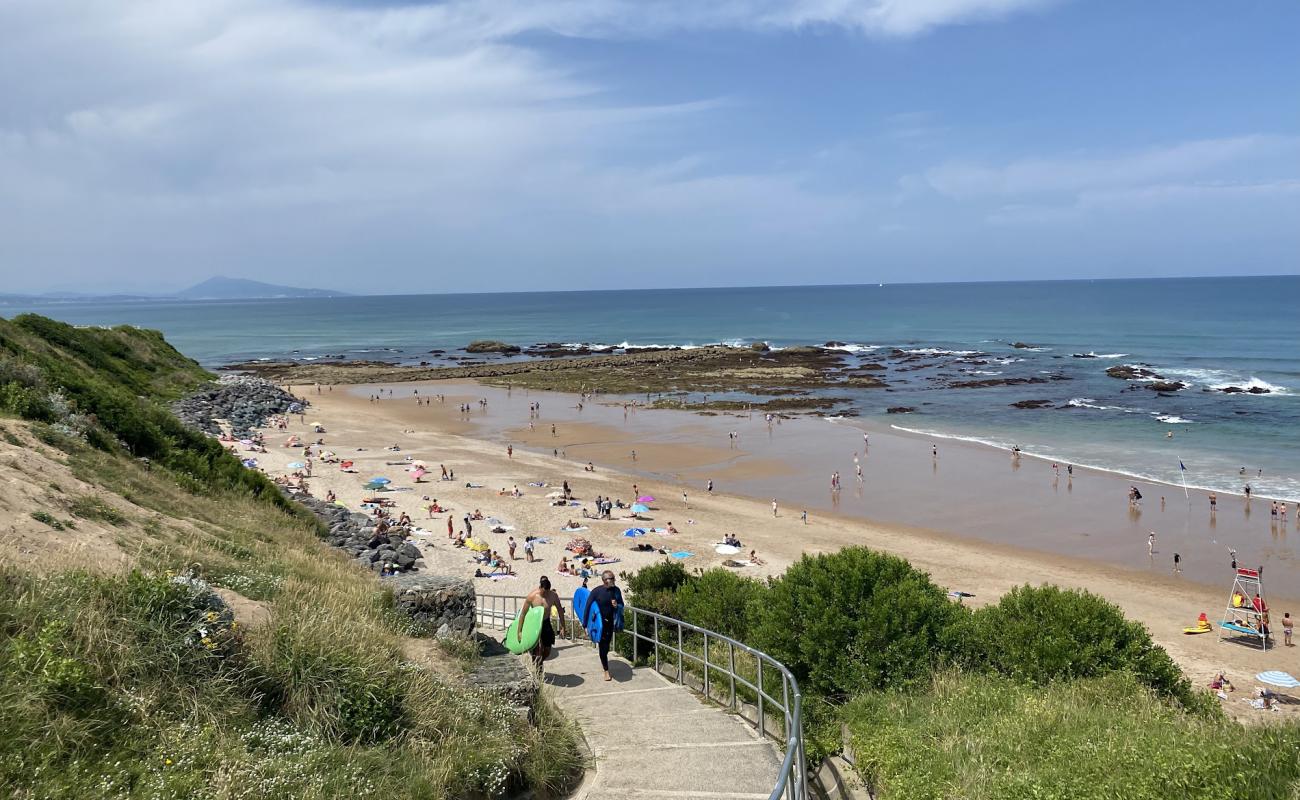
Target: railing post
point(656, 642)
point(706, 667)
point(681, 676)
point(761, 730)
point(731, 672)
point(636, 639)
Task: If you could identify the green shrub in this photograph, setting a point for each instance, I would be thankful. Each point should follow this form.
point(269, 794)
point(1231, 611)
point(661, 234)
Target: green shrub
point(856, 620)
point(721, 601)
point(982, 737)
point(1046, 633)
point(655, 587)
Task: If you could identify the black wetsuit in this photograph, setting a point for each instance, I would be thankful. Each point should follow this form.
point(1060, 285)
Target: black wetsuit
point(606, 598)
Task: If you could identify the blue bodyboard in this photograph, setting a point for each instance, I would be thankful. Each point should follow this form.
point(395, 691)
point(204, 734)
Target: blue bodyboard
point(580, 596)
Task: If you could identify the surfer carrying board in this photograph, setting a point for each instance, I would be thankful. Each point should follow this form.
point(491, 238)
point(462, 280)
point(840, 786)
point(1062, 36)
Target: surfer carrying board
point(608, 598)
point(545, 598)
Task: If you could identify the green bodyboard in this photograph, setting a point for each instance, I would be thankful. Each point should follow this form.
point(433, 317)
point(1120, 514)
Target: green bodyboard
point(532, 631)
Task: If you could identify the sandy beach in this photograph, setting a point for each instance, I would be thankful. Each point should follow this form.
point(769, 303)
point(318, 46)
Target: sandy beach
point(677, 453)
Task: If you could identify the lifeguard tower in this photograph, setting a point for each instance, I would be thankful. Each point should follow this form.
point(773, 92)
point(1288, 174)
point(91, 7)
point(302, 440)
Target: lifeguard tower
point(1245, 616)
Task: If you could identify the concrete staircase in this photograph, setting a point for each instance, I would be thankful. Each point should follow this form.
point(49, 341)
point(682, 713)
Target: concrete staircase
point(652, 738)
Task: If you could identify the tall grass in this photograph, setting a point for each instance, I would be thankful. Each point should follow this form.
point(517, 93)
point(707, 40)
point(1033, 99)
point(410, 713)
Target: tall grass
point(980, 737)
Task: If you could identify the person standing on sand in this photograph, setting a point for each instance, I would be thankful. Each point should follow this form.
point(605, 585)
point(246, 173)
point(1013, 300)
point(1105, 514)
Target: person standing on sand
point(774, 506)
point(528, 550)
point(510, 546)
point(510, 451)
point(709, 488)
point(608, 598)
point(685, 501)
point(546, 598)
point(1214, 502)
point(1177, 560)
point(803, 515)
point(1287, 626)
point(1151, 543)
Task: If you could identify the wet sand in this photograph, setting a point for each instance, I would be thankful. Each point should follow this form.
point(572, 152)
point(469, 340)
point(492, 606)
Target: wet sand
point(1022, 529)
point(969, 490)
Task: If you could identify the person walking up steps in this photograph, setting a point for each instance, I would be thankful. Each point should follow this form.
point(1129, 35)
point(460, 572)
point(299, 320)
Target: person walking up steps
point(608, 598)
point(545, 598)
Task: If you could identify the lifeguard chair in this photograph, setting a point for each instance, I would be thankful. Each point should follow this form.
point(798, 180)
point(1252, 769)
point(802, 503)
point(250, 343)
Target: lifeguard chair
point(1244, 618)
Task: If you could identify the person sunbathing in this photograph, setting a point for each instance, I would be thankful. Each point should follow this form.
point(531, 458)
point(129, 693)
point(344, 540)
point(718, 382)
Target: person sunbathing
point(670, 528)
point(571, 525)
point(1221, 682)
point(476, 515)
point(563, 568)
point(754, 559)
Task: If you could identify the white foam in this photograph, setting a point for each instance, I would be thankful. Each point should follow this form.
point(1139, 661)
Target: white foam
point(856, 348)
point(939, 351)
point(1088, 402)
point(1253, 383)
point(1174, 419)
point(982, 371)
point(1106, 355)
point(1005, 361)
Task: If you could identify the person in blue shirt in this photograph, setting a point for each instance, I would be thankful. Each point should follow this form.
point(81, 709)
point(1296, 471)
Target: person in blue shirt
point(608, 598)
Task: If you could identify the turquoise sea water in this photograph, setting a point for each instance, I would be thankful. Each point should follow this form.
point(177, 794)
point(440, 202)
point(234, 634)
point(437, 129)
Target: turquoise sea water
point(1207, 333)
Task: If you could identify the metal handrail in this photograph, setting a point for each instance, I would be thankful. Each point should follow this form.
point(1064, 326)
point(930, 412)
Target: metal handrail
point(497, 611)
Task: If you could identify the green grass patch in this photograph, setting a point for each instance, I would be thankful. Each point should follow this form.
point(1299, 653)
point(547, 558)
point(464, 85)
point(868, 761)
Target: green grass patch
point(978, 737)
point(93, 508)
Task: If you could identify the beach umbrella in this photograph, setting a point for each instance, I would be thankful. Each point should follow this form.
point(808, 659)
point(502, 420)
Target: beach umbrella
point(1278, 678)
point(374, 486)
point(555, 495)
point(640, 508)
point(296, 465)
point(380, 481)
point(645, 498)
point(417, 473)
point(250, 462)
point(316, 424)
point(476, 545)
point(419, 464)
point(634, 532)
point(726, 550)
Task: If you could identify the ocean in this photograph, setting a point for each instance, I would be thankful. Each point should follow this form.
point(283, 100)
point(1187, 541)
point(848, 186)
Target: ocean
point(1205, 333)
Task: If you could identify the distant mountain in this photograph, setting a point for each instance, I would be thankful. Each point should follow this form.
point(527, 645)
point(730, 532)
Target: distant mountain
point(221, 288)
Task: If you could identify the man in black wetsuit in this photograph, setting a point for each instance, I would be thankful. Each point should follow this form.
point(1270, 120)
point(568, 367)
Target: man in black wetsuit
point(608, 598)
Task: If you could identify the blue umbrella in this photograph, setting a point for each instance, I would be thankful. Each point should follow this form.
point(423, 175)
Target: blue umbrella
point(634, 532)
point(380, 481)
point(640, 508)
point(1277, 678)
point(296, 465)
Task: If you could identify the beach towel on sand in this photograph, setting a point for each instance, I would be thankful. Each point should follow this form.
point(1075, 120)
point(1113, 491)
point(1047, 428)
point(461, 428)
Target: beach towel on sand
point(682, 554)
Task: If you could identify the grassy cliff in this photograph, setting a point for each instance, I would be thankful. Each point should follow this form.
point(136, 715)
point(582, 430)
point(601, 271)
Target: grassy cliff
point(123, 682)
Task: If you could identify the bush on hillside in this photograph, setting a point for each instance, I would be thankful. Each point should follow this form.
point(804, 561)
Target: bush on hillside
point(655, 587)
point(1041, 634)
point(721, 601)
point(856, 620)
point(981, 737)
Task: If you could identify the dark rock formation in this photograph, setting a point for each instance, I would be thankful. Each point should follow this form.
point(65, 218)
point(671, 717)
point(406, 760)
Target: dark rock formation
point(1031, 404)
point(243, 401)
point(1166, 386)
point(900, 410)
point(440, 604)
point(491, 346)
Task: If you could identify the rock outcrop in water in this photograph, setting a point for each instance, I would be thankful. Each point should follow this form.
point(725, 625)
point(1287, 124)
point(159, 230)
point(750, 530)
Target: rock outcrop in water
point(491, 346)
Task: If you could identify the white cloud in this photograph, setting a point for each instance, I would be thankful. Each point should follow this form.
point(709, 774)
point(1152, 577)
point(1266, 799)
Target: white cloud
point(1083, 172)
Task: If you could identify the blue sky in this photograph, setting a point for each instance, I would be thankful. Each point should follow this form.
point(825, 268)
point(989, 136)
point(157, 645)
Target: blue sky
point(475, 145)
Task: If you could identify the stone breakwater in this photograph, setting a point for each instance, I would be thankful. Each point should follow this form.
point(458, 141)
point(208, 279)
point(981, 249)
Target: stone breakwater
point(359, 536)
point(244, 401)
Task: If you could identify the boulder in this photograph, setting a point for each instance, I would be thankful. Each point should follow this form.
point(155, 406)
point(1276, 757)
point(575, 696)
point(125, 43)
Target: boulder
point(900, 410)
point(435, 601)
point(1031, 404)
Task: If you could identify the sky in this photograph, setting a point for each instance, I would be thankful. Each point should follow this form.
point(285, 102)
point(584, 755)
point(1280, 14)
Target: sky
point(395, 146)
